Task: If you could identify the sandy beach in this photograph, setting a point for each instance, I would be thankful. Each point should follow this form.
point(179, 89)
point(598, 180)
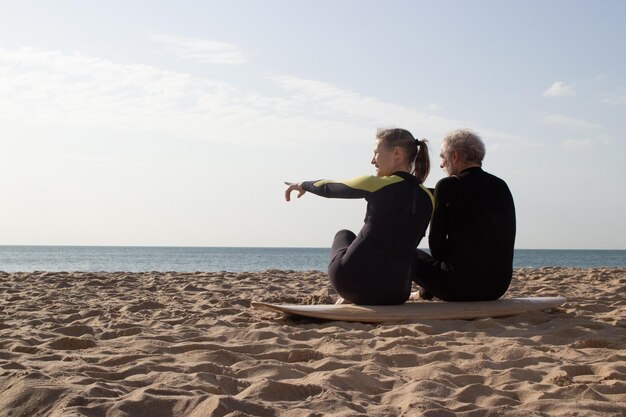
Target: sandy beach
point(188, 344)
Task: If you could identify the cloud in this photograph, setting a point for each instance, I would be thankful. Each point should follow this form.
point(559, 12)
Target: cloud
point(327, 101)
point(590, 134)
point(53, 88)
point(587, 142)
point(566, 122)
point(435, 107)
point(560, 89)
point(203, 50)
point(76, 90)
point(614, 98)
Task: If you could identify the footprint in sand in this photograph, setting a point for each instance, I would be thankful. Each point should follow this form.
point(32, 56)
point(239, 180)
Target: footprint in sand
point(75, 331)
point(146, 305)
point(71, 343)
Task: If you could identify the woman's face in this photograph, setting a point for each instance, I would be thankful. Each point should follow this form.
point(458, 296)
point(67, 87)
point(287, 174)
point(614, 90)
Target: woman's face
point(384, 160)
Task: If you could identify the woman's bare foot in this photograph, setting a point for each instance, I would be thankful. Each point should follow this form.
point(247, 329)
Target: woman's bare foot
point(342, 300)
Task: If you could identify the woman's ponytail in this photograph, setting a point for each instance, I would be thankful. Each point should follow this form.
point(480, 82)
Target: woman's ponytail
point(421, 164)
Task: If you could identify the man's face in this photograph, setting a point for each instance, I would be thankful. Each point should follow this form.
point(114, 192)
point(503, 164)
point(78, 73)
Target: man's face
point(446, 160)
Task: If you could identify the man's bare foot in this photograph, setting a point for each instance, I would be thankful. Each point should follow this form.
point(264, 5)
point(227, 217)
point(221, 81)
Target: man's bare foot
point(420, 294)
point(415, 296)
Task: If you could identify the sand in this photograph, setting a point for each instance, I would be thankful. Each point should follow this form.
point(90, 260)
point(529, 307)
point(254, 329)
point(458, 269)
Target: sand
point(187, 344)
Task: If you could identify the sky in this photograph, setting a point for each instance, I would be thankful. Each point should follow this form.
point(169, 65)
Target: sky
point(175, 123)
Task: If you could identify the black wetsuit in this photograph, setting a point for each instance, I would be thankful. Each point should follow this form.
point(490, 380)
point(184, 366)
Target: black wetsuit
point(471, 240)
point(375, 266)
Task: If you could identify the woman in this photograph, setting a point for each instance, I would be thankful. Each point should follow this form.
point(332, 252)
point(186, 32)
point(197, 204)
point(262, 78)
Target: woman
point(375, 266)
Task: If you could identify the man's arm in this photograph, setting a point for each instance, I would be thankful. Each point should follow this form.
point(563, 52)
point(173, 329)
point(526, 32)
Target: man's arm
point(440, 223)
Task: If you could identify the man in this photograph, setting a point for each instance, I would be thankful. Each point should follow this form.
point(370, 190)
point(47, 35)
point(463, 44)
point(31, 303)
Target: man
point(472, 231)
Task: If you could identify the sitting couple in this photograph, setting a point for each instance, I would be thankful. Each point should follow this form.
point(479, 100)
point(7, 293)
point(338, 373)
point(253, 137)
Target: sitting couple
point(471, 216)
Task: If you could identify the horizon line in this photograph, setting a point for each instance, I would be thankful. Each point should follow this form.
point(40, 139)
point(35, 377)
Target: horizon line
point(252, 247)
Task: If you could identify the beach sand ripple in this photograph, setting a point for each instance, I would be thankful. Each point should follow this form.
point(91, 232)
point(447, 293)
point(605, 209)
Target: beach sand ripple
point(188, 344)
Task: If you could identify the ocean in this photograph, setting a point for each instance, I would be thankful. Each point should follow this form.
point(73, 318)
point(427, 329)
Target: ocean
point(211, 259)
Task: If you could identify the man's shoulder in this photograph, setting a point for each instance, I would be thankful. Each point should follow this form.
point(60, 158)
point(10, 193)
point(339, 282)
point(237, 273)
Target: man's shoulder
point(479, 175)
point(495, 180)
point(469, 180)
point(452, 179)
point(447, 188)
point(448, 182)
point(490, 175)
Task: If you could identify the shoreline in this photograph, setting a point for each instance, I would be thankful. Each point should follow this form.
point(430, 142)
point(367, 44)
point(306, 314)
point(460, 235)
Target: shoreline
point(187, 344)
point(273, 270)
point(147, 259)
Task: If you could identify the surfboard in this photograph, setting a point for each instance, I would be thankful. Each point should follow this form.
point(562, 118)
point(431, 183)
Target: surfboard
point(419, 310)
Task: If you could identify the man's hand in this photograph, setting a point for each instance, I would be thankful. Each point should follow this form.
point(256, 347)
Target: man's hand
point(293, 186)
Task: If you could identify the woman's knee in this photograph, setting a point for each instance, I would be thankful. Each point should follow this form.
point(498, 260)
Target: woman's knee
point(344, 235)
point(343, 239)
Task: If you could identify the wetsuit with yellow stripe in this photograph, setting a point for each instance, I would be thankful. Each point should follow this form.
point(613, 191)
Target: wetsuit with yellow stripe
point(375, 266)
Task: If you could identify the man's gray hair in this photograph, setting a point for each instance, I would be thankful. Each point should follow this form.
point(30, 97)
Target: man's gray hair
point(468, 145)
